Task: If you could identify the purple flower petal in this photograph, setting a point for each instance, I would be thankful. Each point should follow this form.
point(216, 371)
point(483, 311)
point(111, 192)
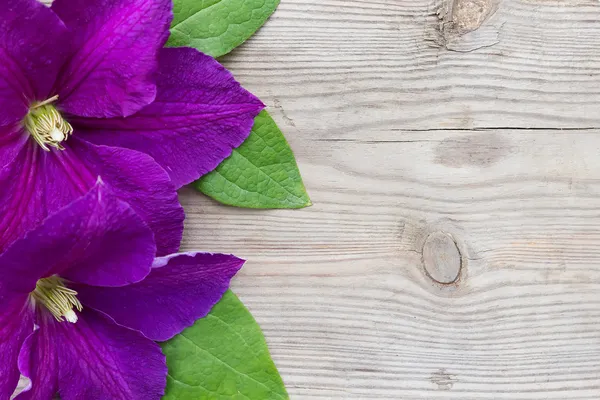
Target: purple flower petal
point(38, 361)
point(114, 248)
point(33, 47)
point(92, 359)
point(12, 140)
point(179, 290)
point(97, 239)
point(116, 44)
point(200, 114)
point(140, 181)
point(98, 359)
point(37, 183)
point(16, 323)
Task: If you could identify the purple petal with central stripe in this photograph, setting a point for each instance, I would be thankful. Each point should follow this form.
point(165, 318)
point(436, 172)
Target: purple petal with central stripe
point(97, 239)
point(180, 289)
point(116, 44)
point(37, 183)
point(200, 114)
point(99, 359)
point(34, 45)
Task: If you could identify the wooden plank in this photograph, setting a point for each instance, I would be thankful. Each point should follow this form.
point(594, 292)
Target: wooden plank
point(401, 134)
point(341, 290)
point(353, 67)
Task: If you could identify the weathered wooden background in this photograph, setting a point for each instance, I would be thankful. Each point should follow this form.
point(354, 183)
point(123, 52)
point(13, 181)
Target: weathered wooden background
point(432, 136)
point(451, 150)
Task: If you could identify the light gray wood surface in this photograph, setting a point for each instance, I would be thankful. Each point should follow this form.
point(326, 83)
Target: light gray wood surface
point(411, 130)
point(440, 142)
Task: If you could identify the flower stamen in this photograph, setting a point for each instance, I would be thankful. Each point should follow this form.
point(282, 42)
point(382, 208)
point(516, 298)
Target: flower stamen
point(57, 298)
point(47, 126)
point(45, 102)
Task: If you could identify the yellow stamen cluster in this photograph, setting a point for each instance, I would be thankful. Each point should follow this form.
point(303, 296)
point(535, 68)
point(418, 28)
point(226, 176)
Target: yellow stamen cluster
point(46, 126)
point(57, 298)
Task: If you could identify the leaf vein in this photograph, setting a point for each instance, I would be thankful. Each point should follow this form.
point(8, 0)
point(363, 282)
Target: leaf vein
point(230, 367)
point(196, 13)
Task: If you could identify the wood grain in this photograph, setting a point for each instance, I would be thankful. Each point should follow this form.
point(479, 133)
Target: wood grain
point(403, 128)
point(408, 118)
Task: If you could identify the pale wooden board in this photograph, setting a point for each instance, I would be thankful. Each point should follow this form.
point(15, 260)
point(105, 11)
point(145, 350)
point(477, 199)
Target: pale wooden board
point(398, 137)
point(404, 128)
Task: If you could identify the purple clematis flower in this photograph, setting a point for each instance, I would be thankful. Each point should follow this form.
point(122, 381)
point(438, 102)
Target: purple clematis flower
point(87, 90)
point(82, 298)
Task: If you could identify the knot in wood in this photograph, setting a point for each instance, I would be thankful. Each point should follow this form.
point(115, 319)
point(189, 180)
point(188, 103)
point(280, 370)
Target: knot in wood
point(469, 15)
point(441, 258)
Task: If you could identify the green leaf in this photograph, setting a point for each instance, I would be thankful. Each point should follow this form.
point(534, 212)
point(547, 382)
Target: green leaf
point(223, 356)
point(261, 173)
point(216, 27)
